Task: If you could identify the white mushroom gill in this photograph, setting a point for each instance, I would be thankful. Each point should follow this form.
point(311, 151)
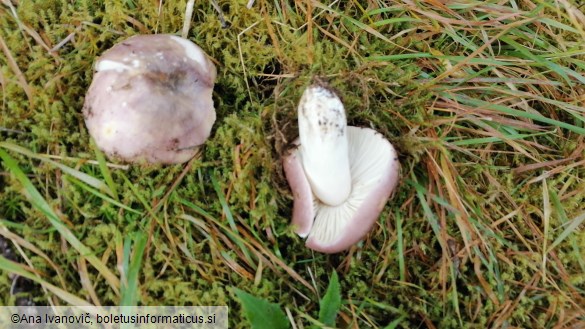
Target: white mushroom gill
point(324, 152)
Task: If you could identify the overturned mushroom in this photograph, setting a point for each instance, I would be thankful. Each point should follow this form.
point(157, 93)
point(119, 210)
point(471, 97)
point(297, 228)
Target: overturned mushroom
point(150, 99)
point(341, 177)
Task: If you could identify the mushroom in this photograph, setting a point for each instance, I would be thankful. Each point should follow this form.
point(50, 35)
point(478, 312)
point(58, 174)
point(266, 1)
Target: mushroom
point(151, 99)
point(340, 176)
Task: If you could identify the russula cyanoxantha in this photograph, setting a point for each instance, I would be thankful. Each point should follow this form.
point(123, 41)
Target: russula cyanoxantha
point(340, 176)
point(150, 99)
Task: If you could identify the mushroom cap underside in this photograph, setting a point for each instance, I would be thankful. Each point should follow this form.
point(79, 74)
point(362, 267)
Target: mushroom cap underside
point(374, 171)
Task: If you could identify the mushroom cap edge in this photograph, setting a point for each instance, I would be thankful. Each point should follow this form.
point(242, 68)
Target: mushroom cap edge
point(328, 233)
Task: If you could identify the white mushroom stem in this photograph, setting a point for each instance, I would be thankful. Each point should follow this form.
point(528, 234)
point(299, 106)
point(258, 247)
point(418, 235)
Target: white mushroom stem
point(324, 152)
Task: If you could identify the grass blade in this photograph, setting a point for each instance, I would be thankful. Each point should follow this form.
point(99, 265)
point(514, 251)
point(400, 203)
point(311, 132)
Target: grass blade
point(400, 246)
point(130, 285)
point(105, 170)
point(572, 227)
point(18, 269)
point(230, 218)
point(507, 110)
point(261, 313)
point(330, 303)
point(89, 180)
point(41, 204)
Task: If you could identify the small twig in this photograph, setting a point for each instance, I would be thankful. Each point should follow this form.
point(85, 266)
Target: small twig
point(188, 17)
point(14, 66)
point(67, 39)
point(12, 130)
point(224, 23)
point(319, 14)
point(100, 28)
point(159, 12)
point(92, 162)
point(242, 57)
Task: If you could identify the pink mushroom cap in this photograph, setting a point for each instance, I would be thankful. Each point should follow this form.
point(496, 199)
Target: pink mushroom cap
point(151, 99)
